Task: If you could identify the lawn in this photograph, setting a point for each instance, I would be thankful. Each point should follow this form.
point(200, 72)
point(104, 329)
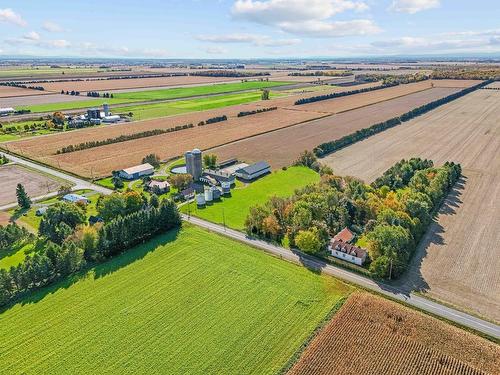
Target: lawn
point(147, 95)
point(16, 256)
point(188, 302)
point(235, 208)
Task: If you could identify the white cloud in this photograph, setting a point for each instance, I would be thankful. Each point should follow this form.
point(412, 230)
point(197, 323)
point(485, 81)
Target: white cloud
point(413, 6)
point(321, 29)
point(9, 16)
point(52, 27)
point(58, 43)
point(216, 50)
point(254, 39)
point(306, 17)
point(32, 35)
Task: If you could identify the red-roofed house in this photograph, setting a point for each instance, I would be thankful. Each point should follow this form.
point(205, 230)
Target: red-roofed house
point(345, 235)
point(347, 252)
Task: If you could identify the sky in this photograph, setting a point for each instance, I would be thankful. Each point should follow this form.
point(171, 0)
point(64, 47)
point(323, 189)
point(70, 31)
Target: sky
point(222, 29)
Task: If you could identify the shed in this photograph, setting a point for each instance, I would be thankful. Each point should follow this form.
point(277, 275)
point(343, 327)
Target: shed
point(253, 171)
point(74, 198)
point(136, 172)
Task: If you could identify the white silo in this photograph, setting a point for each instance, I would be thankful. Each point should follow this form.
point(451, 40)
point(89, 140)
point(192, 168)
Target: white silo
point(209, 195)
point(105, 107)
point(200, 200)
point(226, 187)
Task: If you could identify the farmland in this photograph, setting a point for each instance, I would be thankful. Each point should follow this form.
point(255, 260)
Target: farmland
point(188, 301)
point(152, 95)
point(372, 336)
point(7, 92)
point(464, 238)
point(282, 147)
point(101, 161)
point(34, 183)
point(236, 208)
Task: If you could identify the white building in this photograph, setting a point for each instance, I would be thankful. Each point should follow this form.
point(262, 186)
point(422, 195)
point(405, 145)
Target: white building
point(74, 198)
point(253, 171)
point(347, 252)
point(136, 172)
point(6, 111)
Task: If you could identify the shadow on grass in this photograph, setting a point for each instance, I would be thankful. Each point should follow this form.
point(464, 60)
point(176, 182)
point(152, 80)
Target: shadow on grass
point(99, 270)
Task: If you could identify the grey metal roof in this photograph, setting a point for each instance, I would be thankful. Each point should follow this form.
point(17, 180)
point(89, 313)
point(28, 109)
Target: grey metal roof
point(254, 168)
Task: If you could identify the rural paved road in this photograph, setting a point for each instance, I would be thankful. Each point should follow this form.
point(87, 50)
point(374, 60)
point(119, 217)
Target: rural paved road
point(299, 258)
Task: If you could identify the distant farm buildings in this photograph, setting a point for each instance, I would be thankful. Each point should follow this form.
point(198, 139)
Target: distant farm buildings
point(6, 111)
point(136, 172)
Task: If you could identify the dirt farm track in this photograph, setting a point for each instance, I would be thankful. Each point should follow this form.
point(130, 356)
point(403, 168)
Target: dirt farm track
point(459, 259)
point(373, 336)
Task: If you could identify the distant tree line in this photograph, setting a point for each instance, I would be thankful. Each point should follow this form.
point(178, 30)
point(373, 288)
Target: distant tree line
point(22, 85)
point(86, 245)
point(329, 147)
point(228, 73)
point(95, 94)
point(334, 95)
point(248, 113)
point(387, 79)
point(213, 120)
point(467, 73)
point(318, 73)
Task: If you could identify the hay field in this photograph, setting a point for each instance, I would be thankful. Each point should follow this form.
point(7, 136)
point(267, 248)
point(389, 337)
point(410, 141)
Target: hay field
point(187, 302)
point(35, 184)
point(460, 83)
point(372, 336)
point(282, 147)
point(464, 240)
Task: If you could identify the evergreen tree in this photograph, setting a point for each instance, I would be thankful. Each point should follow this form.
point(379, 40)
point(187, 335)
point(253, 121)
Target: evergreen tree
point(23, 199)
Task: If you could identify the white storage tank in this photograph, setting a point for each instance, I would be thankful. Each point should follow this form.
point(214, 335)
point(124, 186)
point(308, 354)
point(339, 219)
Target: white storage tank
point(215, 193)
point(200, 200)
point(226, 187)
point(208, 195)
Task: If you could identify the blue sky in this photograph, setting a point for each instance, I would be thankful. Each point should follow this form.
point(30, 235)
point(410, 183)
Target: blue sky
point(248, 28)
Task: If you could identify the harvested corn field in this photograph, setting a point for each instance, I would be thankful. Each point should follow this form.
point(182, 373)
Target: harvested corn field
point(373, 336)
point(464, 239)
point(282, 147)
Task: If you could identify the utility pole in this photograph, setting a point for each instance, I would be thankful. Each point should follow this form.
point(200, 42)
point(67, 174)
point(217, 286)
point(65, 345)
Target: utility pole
point(223, 218)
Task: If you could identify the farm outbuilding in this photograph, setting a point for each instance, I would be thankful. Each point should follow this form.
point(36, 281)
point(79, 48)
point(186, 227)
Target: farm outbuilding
point(253, 171)
point(74, 198)
point(136, 172)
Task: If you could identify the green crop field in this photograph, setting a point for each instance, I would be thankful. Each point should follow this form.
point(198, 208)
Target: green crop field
point(235, 208)
point(150, 111)
point(188, 302)
point(152, 95)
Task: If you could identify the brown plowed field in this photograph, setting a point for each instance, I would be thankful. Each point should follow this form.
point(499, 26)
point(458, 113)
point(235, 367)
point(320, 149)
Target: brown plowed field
point(464, 240)
point(460, 83)
point(35, 184)
point(346, 103)
point(33, 99)
point(282, 147)
point(8, 92)
point(374, 336)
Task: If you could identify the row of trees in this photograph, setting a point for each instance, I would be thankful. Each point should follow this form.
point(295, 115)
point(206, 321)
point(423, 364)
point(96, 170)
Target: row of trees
point(12, 235)
point(213, 120)
point(86, 245)
point(228, 73)
point(329, 147)
point(334, 95)
point(319, 73)
point(121, 138)
point(467, 73)
point(391, 79)
point(400, 174)
point(22, 85)
point(95, 94)
point(392, 220)
point(255, 111)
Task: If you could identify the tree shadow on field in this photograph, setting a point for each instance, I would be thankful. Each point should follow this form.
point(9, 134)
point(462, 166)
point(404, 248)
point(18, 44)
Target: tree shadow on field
point(97, 271)
point(412, 279)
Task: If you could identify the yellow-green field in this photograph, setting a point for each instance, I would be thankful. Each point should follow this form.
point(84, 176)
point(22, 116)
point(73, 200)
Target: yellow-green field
point(188, 302)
